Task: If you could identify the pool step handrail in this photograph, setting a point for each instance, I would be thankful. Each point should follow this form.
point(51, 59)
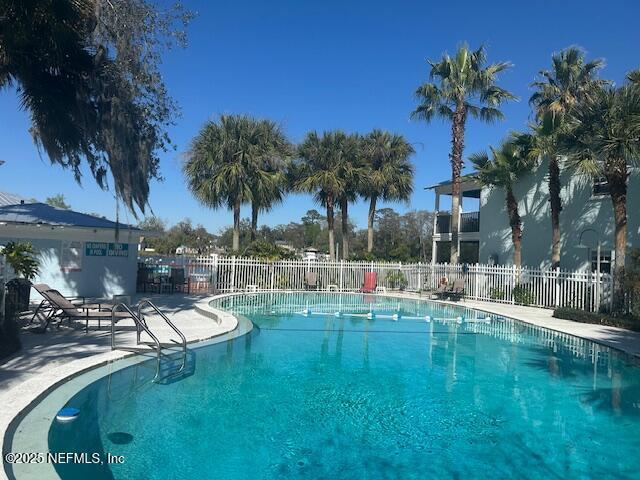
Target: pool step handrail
point(140, 325)
point(183, 339)
point(147, 302)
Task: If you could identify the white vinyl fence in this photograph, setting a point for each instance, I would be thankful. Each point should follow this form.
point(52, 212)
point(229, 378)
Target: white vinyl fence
point(506, 284)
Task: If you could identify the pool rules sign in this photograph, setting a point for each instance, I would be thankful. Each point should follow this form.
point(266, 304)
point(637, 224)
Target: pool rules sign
point(104, 249)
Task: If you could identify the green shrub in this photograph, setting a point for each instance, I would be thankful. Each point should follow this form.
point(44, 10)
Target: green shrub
point(632, 284)
point(522, 295)
point(267, 251)
point(22, 258)
point(496, 294)
point(397, 280)
point(581, 316)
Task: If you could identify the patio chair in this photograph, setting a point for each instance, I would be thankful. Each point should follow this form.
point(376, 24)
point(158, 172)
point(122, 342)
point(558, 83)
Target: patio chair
point(179, 281)
point(311, 281)
point(144, 278)
point(454, 291)
point(457, 291)
point(370, 282)
point(61, 308)
point(441, 290)
point(79, 301)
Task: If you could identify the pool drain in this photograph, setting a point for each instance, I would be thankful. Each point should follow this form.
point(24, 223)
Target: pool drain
point(120, 438)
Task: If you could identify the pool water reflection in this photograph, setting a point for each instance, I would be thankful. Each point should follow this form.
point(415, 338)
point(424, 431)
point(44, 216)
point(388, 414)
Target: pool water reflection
point(330, 393)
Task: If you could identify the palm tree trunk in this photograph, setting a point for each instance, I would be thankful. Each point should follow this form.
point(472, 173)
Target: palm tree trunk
point(236, 226)
point(344, 206)
point(617, 180)
point(370, 219)
point(556, 208)
point(332, 244)
point(457, 147)
point(516, 227)
point(254, 221)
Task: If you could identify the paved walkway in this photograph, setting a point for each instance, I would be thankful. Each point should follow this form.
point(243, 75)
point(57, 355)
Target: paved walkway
point(41, 352)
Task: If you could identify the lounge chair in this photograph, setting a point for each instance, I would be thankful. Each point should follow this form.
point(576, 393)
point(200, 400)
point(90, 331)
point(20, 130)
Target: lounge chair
point(79, 301)
point(441, 290)
point(454, 291)
point(457, 291)
point(311, 281)
point(370, 282)
point(61, 308)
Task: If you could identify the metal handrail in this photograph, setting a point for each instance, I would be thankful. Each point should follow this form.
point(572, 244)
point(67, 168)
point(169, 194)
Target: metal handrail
point(166, 319)
point(139, 324)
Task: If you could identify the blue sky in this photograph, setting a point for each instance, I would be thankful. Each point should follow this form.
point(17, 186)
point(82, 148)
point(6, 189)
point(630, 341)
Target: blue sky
point(321, 65)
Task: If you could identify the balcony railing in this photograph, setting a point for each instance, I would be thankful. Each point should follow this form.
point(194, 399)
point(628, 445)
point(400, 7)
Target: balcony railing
point(469, 222)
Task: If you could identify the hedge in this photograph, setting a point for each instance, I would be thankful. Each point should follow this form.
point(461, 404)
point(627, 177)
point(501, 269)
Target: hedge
point(628, 322)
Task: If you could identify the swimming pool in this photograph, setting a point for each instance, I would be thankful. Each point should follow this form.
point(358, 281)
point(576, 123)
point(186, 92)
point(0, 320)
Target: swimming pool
point(357, 386)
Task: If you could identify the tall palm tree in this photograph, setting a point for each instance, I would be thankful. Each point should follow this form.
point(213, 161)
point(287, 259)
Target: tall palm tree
point(350, 170)
point(319, 170)
point(570, 81)
point(269, 175)
point(464, 86)
point(388, 172)
point(602, 139)
point(221, 163)
point(506, 165)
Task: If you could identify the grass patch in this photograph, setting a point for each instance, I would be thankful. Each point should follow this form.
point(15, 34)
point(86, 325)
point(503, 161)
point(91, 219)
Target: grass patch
point(626, 321)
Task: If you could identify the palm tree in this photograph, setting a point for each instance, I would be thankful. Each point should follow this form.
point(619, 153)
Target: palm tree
point(350, 170)
point(506, 165)
point(268, 178)
point(320, 171)
point(388, 172)
point(464, 87)
point(221, 164)
point(563, 87)
point(602, 139)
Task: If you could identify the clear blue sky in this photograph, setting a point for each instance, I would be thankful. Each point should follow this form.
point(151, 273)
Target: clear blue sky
point(331, 64)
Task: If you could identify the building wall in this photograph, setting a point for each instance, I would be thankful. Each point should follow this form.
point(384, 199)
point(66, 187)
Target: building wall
point(90, 276)
point(581, 210)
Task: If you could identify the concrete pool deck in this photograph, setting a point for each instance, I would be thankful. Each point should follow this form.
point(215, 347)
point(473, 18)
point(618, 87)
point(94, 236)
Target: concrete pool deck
point(47, 360)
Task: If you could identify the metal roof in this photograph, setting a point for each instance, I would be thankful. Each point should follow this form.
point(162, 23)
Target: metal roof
point(43, 214)
point(7, 198)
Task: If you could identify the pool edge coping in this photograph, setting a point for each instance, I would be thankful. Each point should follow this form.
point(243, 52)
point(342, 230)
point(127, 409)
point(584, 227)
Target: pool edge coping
point(21, 399)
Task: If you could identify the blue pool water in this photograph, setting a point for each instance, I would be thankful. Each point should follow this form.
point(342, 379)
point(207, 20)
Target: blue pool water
point(348, 397)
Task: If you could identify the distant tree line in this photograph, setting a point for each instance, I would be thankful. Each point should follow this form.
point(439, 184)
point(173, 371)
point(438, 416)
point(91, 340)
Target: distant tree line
point(399, 237)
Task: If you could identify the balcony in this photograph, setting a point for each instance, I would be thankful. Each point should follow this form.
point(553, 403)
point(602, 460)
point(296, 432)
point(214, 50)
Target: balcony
point(469, 222)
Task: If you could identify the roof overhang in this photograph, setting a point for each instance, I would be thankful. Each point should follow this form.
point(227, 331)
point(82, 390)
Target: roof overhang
point(470, 187)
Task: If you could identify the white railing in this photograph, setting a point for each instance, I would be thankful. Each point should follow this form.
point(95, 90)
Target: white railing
point(548, 288)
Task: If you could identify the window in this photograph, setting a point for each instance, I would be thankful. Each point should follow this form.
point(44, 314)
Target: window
point(71, 256)
point(605, 261)
point(600, 187)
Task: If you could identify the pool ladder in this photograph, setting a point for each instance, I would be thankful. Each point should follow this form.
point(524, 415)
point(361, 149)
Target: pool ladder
point(141, 325)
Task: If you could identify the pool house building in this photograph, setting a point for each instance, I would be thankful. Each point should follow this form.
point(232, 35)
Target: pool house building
point(80, 254)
